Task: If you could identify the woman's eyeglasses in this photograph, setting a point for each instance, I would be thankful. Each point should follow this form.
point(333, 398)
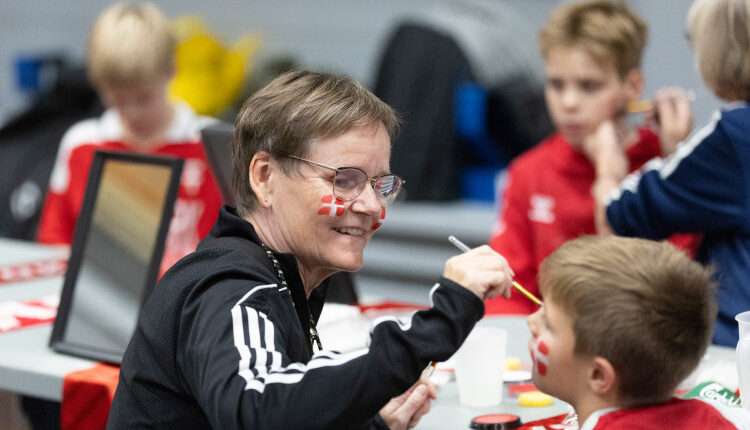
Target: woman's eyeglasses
point(349, 182)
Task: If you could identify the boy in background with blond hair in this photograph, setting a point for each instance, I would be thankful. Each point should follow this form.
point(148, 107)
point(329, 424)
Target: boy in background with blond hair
point(592, 50)
point(130, 62)
point(624, 321)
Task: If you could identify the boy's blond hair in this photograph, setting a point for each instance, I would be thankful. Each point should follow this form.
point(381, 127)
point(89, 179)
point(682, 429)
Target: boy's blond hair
point(130, 44)
point(719, 31)
point(609, 31)
point(643, 305)
point(290, 114)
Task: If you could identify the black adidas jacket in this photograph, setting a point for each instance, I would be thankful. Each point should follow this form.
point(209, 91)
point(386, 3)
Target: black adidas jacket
point(219, 344)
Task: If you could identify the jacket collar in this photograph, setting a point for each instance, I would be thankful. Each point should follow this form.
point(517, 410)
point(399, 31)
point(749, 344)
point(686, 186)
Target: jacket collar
point(230, 224)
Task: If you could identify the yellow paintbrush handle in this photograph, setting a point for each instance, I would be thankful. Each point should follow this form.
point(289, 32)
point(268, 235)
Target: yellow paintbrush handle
point(528, 295)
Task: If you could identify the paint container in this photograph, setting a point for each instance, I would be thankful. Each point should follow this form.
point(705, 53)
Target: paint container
point(516, 381)
point(517, 389)
point(496, 422)
point(534, 399)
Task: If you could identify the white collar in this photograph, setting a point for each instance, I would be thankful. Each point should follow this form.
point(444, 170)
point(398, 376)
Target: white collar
point(593, 419)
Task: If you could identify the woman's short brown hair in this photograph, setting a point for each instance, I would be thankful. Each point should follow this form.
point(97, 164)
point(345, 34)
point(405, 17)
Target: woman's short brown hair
point(642, 305)
point(287, 117)
point(719, 32)
point(609, 31)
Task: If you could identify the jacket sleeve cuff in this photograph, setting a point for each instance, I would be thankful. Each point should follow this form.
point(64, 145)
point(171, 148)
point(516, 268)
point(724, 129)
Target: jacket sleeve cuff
point(378, 423)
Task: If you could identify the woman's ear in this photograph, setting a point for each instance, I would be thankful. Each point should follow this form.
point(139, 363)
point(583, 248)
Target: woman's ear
point(602, 377)
point(634, 84)
point(259, 175)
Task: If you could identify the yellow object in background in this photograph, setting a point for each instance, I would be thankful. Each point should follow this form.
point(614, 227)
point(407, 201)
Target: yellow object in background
point(209, 76)
point(512, 363)
point(534, 399)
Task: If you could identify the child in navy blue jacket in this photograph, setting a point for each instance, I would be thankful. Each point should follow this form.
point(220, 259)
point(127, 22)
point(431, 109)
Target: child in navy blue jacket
point(704, 186)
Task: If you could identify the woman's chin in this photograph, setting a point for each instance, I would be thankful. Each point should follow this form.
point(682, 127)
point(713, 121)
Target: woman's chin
point(347, 263)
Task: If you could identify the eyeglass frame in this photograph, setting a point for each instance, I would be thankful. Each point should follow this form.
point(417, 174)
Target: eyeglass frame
point(368, 179)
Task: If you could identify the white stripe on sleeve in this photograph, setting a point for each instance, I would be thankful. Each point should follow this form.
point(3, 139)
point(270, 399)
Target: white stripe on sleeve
point(260, 371)
point(253, 330)
point(269, 340)
point(664, 167)
point(432, 291)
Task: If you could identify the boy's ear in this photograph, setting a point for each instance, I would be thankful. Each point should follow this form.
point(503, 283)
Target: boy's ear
point(602, 377)
point(634, 84)
point(259, 176)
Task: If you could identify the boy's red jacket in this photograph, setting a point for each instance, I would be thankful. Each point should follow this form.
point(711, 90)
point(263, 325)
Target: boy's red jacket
point(198, 199)
point(546, 202)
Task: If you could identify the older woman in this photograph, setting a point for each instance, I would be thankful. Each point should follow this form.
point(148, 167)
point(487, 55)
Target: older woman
point(227, 339)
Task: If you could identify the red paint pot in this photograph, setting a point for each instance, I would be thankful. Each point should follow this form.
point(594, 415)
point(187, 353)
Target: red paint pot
point(515, 390)
point(496, 422)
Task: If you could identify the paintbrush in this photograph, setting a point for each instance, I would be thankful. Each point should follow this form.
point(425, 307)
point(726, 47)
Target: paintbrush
point(462, 246)
point(640, 106)
point(430, 369)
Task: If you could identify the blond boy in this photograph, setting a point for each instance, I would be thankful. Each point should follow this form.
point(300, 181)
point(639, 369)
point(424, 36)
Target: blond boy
point(592, 51)
point(624, 321)
point(130, 61)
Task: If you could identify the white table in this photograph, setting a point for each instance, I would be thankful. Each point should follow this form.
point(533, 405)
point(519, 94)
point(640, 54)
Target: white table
point(27, 364)
point(447, 413)
point(718, 365)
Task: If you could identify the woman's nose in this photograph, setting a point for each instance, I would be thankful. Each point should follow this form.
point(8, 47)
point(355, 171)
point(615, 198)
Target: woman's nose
point(367, 202)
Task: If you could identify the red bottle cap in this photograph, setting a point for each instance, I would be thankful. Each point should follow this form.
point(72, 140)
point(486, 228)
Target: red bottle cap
point(496, 422)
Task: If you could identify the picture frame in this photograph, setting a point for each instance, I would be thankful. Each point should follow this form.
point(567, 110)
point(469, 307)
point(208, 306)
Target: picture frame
point(116, 252)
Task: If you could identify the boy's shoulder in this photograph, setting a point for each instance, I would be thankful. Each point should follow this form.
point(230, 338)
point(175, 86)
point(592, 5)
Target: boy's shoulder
point(737, 114)
point(187, 124)
point(553, 149)
point(675, 414)
point(77, 147)
point(93, 130)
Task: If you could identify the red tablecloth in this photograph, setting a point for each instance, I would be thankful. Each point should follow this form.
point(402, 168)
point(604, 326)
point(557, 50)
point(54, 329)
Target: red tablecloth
point(545, 423)
point(87, 396)
point(30, 270)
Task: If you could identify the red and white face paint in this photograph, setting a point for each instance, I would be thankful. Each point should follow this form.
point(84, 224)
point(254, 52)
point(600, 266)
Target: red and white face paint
point(539, 355)
point(382, 217)
point(331, 206)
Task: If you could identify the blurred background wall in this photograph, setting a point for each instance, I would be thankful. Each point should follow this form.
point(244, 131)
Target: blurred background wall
point(343, 36)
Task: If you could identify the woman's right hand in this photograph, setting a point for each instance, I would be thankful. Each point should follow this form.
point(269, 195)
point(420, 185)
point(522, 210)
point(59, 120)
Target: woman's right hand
point(482, 271)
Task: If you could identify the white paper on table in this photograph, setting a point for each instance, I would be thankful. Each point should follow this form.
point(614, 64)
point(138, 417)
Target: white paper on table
point(343, 328)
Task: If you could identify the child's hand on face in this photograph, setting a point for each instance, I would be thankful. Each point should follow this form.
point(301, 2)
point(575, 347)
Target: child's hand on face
point(604, 148)
point(607, 153)
point(672, 116)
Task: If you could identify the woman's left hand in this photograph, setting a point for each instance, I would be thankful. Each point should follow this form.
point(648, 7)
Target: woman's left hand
point(405, 411)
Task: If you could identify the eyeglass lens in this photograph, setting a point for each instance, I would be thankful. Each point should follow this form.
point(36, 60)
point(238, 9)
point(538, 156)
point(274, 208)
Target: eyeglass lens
point(349, 183)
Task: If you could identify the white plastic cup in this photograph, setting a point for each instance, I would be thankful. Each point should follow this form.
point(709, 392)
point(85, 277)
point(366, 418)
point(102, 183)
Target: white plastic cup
point(743, 323)
point(480, 363)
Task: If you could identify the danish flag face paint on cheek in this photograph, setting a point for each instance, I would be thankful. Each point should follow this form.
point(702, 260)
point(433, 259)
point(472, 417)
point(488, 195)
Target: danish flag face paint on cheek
point(382, 217)
point(539, 356)
point(331, 206)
